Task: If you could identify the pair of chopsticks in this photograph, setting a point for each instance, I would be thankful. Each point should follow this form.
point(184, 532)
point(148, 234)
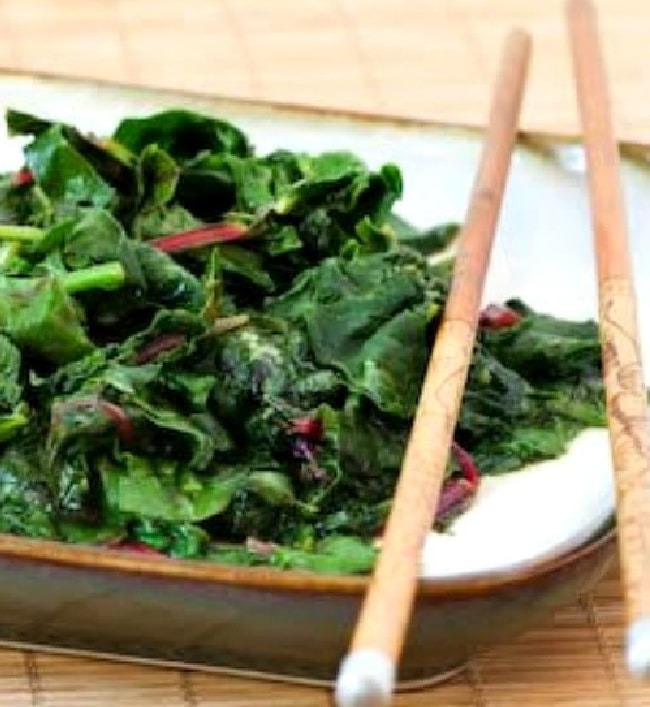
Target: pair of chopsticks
point(367, 674)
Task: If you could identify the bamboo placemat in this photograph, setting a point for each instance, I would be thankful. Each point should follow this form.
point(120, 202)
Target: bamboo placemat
point(423, 59)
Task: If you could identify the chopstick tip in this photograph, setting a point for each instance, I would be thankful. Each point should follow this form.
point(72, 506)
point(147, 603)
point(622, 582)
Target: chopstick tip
point(638, 648)
point(366, 679)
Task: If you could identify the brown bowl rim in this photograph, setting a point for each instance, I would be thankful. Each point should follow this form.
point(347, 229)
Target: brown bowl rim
point(99, 559)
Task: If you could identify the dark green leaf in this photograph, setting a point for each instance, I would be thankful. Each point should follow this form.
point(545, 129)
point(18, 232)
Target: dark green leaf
point(63, 174)
point(26, 509)
point(10, 365)
point(427, 241)
point(163, 222)
point(182, 134)
point(545, 348)
point(97, 237)
point(39, 316)
point(368, 318)
point(168, 284)
point(273, 487)
point(157, 175)
point(334, 555)
point(156, 489)
point(112, 163)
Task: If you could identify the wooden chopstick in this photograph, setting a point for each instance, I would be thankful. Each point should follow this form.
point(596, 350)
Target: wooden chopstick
point(629, 426)
point(367, 674)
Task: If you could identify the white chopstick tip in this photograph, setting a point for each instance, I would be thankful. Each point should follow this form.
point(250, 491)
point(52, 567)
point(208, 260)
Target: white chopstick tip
point(366, 679)
point(638, 648)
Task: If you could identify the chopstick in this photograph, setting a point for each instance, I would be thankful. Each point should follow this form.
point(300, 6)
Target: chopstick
point(629, 426)
point(367, 675)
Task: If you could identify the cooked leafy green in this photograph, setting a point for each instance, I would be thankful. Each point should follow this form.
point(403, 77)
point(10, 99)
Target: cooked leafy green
point(217, 354)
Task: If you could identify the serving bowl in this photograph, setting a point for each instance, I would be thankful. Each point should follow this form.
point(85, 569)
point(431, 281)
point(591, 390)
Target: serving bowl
point(293, 625)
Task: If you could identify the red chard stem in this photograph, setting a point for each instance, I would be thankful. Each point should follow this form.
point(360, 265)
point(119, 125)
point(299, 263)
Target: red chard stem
point(122, 422)
point(496, 316)
point(309, 427)
point(201, 237)
point(160, 345)
point(455, 497)
point(466, 463)
point(22, 178)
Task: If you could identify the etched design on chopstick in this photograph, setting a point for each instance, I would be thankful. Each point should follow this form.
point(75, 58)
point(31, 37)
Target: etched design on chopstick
point(449, 371)
point(627, 405)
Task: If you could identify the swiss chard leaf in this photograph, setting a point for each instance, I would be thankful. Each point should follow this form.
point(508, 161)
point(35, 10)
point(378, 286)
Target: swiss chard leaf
point(186, 540)
point(64, 175)
point(96, 236)
point(368, 318)
point(546, 349)
point(38, 315)
point(428, 241)
point(153, 223)
point(14, 414)
point(10, 364)
point(155, 489)
point(344, 183)
point(334, 555)
point(112, 162)
point(183, 134)
point(168, 284)
point(157, 177)
point(24, 498)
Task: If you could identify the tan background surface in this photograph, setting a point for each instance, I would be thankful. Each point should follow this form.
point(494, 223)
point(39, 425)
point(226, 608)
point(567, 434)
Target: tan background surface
point(423, 58)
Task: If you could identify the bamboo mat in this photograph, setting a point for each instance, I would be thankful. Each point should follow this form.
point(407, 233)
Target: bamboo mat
point(423, 58)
